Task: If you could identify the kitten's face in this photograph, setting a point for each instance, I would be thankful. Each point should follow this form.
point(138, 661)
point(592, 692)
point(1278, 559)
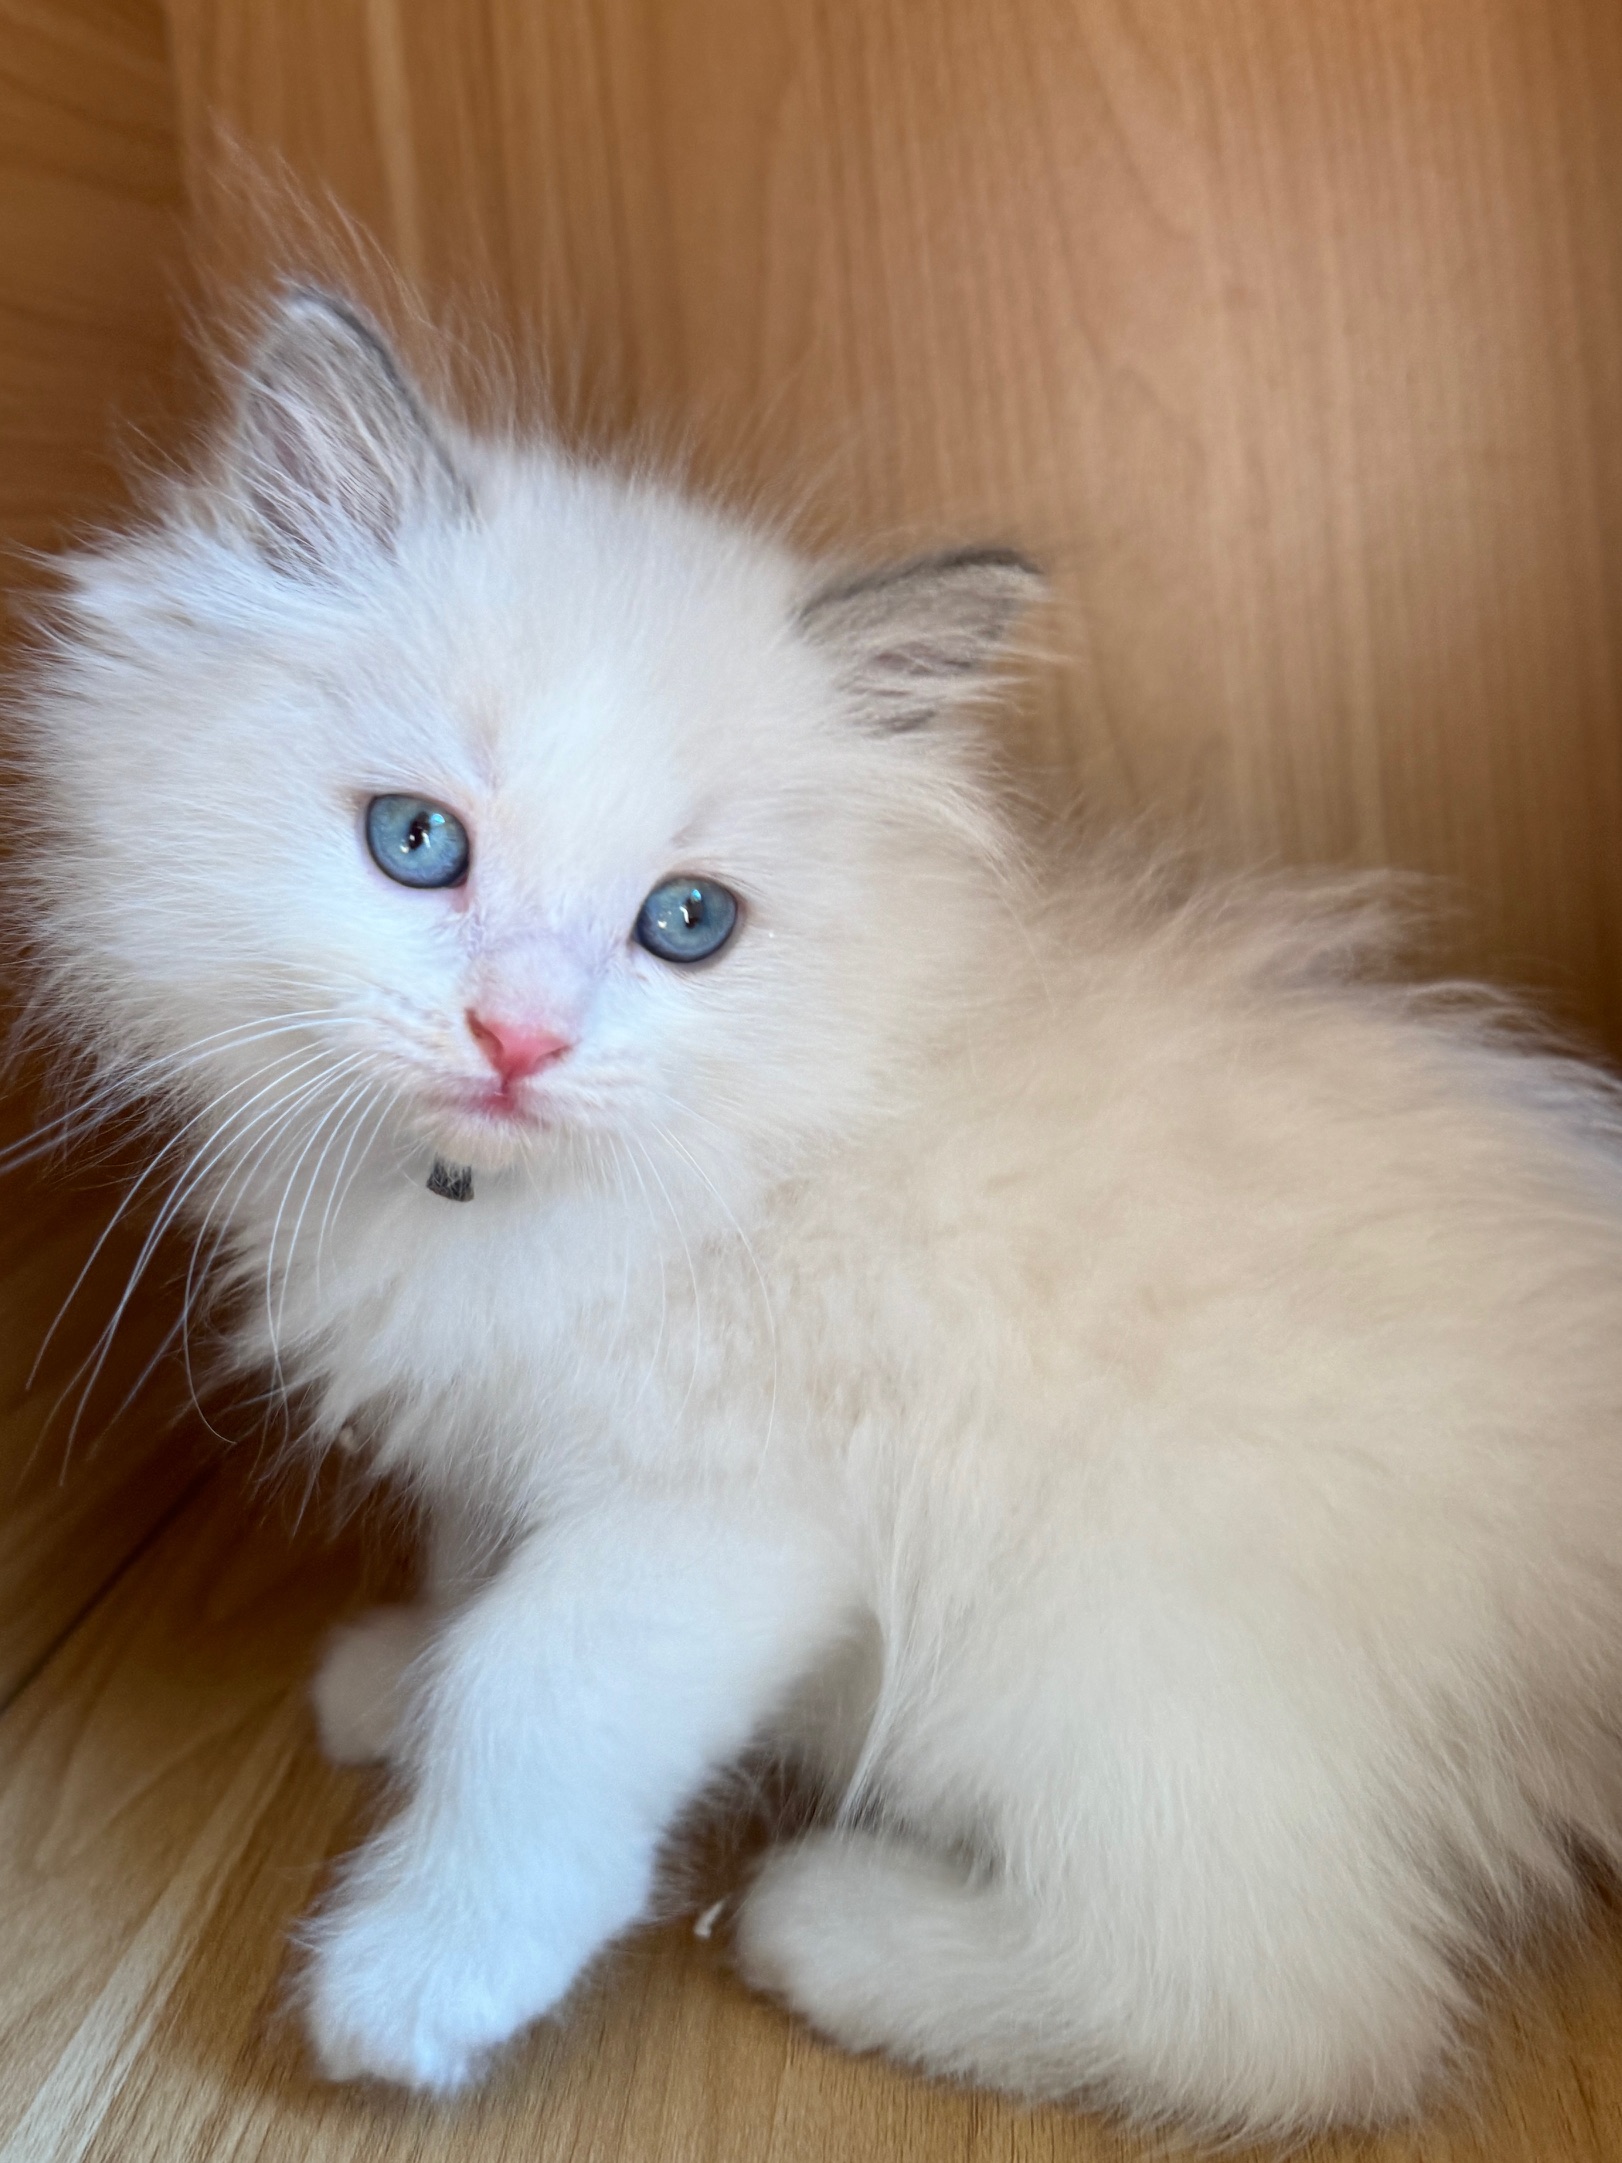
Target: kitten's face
point(479, 802)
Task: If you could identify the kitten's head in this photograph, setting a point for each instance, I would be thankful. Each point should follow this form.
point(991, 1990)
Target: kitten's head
point(407, 787)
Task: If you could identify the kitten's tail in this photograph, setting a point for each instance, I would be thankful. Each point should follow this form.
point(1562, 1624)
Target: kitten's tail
point(882, 1947)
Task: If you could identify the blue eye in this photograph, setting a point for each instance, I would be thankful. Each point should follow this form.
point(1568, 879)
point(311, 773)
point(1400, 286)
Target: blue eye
point(687, 919)
point(416, 842)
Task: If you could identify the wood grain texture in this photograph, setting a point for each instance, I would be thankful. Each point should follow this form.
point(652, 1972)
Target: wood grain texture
point(164, 1819)
point(90, 239)
point(90, 243)
point(1288, 331)
point(84, 1479)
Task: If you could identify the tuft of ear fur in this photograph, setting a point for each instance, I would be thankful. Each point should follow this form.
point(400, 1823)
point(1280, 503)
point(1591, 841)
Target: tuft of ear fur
point(920, 637)
point(331, 448)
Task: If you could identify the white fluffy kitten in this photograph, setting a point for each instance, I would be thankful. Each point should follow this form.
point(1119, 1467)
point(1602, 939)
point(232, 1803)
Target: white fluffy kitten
point(1135, 1407)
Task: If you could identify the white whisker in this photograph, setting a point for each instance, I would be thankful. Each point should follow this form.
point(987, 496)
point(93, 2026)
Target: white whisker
point(186, 1184)
point(139, 1183)
point(337, 1113)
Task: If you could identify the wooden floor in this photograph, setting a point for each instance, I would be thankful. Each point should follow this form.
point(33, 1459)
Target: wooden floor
point(164, 1819)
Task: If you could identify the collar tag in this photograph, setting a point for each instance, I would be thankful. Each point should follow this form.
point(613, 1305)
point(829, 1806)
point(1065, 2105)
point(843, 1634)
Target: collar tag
point(453, 1182)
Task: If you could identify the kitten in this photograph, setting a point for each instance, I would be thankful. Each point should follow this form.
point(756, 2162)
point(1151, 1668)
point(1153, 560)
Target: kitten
point(1132, 1405)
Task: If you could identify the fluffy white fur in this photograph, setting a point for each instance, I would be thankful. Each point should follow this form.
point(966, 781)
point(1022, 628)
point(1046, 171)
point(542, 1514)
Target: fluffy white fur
point(1133, 1403)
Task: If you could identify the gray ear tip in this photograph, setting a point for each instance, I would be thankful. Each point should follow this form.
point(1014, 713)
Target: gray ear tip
point(990, 566)
point(330, 442)
point(1021, 569)
point(1011, 581)
point(913, 639)
point(302, 297)
point(298, 311)
point(303, 301)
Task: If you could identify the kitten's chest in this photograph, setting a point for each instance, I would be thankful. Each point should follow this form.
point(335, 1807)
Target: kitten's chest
point(511, 1337)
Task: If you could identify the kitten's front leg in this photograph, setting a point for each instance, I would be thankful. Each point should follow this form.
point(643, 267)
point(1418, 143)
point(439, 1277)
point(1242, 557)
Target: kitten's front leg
point(567, 1713)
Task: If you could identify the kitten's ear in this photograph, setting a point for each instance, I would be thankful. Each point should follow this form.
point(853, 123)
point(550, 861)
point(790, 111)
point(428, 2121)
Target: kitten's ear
point(331, 448)
point(921, 637)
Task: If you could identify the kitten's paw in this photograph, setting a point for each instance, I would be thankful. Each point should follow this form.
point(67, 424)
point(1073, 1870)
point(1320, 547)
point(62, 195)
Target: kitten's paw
point(359, 1689)
point(411, 1979)
point(382, 2002)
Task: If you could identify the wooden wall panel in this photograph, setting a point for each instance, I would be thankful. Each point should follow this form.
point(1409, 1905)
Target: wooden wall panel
point(90, 238)
point(1289, 331)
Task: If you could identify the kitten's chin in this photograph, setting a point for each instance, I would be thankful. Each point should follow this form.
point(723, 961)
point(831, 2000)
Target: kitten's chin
point(484, 1151)
point(488, 1139)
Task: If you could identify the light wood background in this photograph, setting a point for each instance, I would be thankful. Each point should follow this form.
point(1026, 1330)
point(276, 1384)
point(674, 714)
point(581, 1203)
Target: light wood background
point(1289, 333)
point(91, 232)
point(91, 243)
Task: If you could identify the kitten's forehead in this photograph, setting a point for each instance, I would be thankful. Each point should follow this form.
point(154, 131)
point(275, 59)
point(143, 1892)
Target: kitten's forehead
point(602, 663)
point(602, 576)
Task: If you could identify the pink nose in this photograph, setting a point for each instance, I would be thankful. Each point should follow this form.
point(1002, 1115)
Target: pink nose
point(514, 1048)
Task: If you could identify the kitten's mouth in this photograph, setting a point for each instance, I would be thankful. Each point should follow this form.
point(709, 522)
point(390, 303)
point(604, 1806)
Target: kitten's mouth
point(500, 1105)
point(489, 1128)
point(488, 1124)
